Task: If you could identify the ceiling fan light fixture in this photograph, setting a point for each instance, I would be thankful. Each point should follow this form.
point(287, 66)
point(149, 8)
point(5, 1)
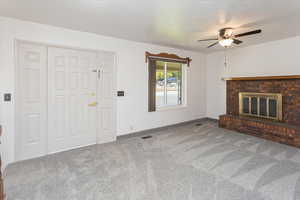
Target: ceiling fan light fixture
point(226, 42)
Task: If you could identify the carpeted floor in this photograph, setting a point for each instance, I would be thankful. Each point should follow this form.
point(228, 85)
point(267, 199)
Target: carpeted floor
point(183, 162)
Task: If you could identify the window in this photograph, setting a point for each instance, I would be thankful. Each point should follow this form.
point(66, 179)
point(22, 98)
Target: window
point(169, 81)
point(166, 83)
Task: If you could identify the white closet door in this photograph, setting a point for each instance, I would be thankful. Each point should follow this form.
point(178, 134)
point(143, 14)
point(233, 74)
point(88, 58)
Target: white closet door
point(31, 129)
point(107, 120)
point(72, 91)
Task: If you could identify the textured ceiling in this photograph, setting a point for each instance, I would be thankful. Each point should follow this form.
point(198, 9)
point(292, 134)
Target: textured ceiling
point(175, 23)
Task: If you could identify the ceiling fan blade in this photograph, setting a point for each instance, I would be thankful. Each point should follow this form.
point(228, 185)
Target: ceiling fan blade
point(235, 41)
point(207, 39)
point(248, 33)
point(213, 44)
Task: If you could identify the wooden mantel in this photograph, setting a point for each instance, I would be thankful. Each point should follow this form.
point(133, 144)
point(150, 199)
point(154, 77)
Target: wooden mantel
point(255, 78)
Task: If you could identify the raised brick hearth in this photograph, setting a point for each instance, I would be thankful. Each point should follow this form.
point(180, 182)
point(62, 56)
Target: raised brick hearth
point(278, 132)
point(286, 131)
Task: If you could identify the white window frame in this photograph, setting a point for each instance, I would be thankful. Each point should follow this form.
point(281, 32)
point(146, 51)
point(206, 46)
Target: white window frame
point(183, 88)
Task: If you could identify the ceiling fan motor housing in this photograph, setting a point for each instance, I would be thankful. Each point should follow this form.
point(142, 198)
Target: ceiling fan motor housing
point(226, 33)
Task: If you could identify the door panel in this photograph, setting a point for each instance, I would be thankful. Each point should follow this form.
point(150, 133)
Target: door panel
point(72, 81)
point(57, 100)
point(32, 127)
point(60, 121)
point(31, 102)
point(107, 98)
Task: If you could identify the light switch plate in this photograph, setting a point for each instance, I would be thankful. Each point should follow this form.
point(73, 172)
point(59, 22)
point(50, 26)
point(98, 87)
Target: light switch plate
point(7, 97)
point(121, 93)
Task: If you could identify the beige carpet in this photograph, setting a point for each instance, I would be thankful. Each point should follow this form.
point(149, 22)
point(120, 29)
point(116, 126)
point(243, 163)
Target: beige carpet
point(182, 162)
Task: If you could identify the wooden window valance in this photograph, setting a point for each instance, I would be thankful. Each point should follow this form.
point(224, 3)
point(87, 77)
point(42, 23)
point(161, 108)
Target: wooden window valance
point(168, 57)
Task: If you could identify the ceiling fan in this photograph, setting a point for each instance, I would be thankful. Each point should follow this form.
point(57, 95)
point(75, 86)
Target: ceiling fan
point(226, 37)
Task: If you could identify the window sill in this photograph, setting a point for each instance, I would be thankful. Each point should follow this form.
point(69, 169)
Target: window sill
point(168, 108)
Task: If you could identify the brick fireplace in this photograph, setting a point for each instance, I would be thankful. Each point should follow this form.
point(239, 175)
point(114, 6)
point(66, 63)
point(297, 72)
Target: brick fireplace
point(284, 129)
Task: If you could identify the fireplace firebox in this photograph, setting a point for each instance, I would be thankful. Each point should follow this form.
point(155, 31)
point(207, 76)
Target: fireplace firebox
point(262, 105)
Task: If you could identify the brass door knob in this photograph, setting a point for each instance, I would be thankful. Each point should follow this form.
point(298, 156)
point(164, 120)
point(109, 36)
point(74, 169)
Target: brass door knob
point(93, 104)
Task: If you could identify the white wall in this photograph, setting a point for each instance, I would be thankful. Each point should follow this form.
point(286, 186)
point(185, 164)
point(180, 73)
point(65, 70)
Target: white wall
point(132, 78)
point(273, 58)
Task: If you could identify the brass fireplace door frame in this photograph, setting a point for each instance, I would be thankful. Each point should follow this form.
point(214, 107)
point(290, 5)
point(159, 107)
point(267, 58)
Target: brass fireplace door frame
point(275, 96)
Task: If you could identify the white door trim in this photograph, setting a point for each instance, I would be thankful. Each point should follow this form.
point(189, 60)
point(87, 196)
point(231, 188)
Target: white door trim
point(16, 100)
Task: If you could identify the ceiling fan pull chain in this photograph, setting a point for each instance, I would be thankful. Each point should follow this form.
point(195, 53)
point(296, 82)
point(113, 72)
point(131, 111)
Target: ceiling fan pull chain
point(225, 57)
